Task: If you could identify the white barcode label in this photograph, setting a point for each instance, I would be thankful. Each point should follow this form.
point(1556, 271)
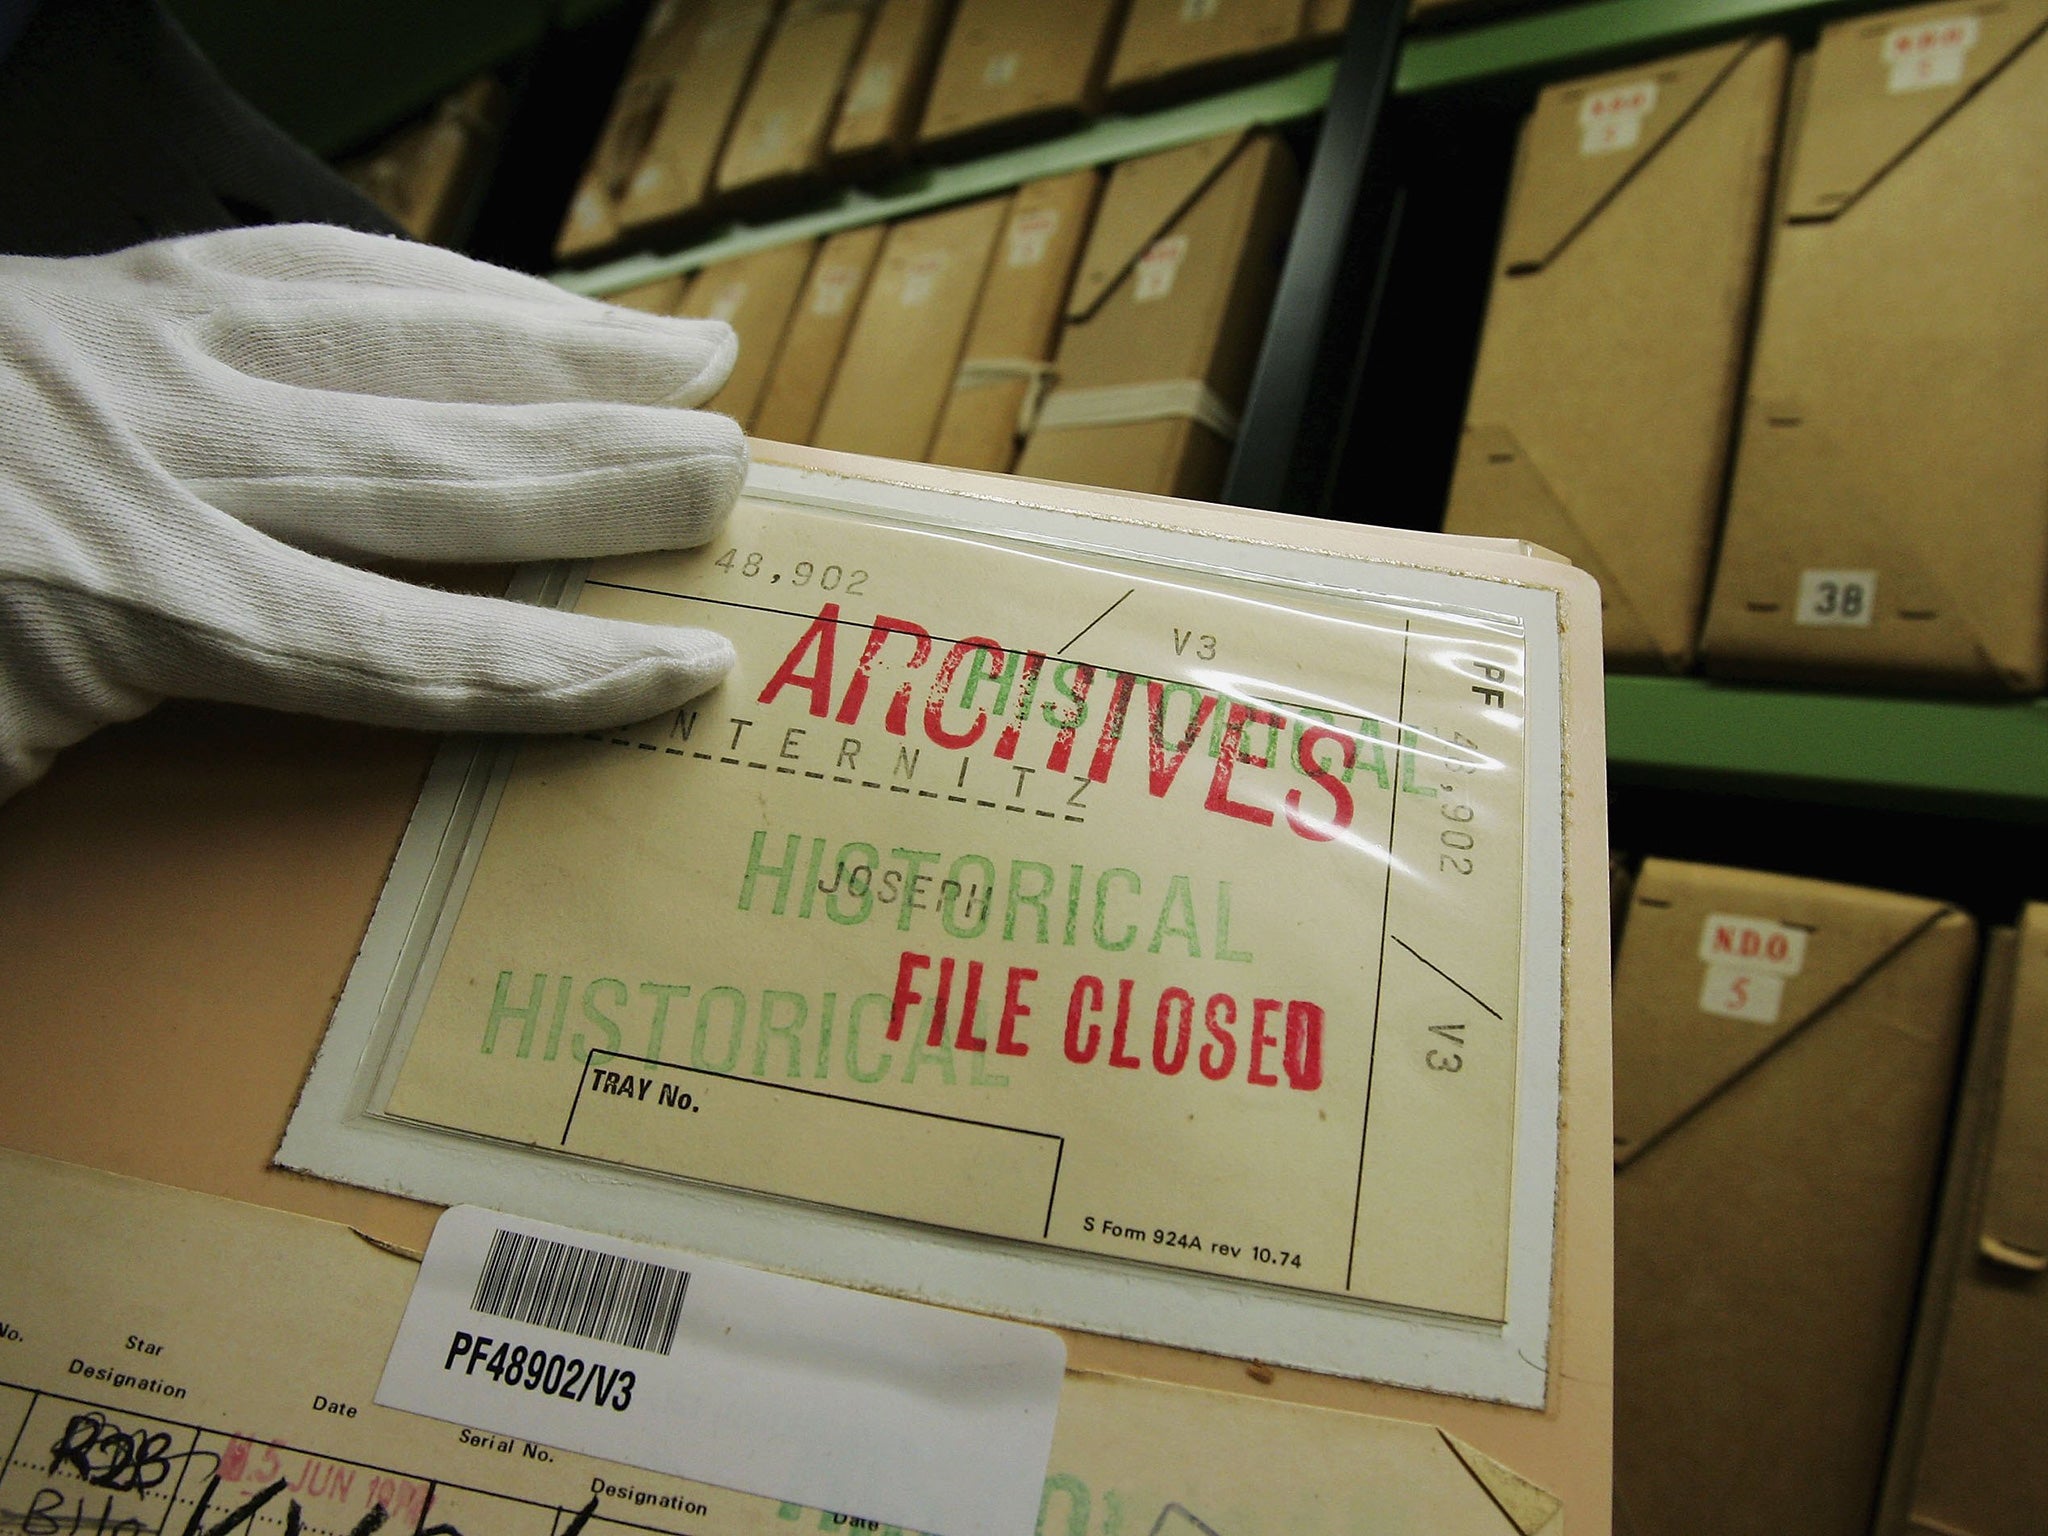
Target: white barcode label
point(583, 1291)
point(1612, 120)
point(1929, 54)
point(883, 1410)
point(1836, 598)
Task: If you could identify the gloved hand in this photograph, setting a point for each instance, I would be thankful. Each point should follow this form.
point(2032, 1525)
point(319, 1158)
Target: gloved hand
point(190, 429)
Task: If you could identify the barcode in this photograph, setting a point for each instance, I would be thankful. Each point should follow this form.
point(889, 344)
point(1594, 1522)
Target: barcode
point(579, 1290)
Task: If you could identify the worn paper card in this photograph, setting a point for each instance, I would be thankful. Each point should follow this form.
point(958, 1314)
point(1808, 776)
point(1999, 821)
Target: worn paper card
point(139, 1395)
point(1111, 892)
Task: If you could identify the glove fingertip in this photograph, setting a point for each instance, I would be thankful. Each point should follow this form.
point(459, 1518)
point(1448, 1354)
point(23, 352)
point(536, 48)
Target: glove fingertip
point(719, 359)
point(666, 670)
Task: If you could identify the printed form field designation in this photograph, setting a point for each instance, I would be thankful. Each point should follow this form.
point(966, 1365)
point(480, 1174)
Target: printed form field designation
point(1064, 898)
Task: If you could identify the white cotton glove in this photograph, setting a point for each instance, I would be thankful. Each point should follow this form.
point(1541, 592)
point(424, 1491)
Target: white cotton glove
point(190, 429)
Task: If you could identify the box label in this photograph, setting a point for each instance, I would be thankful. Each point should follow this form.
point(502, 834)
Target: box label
point(921, 276)
point(873, 89)
point(833, 288)
point(728, 301)
point(1734, 993)
point(1158, 268)
point(1198, 10)
point(1612, 120)
point(1753, 943)
point(1031, 233)
point(1000, 70)
point(772, 137)
point(1928, 55)
point(590, 211)
point(1834, 598)
point(1747, 961)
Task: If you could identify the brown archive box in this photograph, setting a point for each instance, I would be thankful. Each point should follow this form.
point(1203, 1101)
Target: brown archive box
point(1015, 66)
point(1325, 19)
point(1168, 41)
point(1008, 358)
point(426, 175)
point(1165, 319)
point(181, 899)
point(1978, 1467)
point(1885, 521)
point(780, 134)
point(673, 178)
point(885, 94)
point(1784, 1052)
point(664, 48)
point(1604, 396)
point(659, 297)
point(899, 363)
point(816, 337)
point(754, 295)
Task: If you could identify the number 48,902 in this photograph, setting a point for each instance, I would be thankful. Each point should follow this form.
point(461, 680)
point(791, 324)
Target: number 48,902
point(830, 578)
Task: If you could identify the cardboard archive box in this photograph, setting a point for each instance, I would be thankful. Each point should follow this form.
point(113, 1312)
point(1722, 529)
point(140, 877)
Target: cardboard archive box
point(1971, 1458)
point(1008, 357)
point(1888, 516)
point(666, 43)
point(1016, 66)
point(779, 137)
point(659, 297)
point(900, 361)
point(1183, 41)
point(816, 336)
point(1325, 19)
point(1164, 323)
point(1784, 1054)
point(181, 899)
point(1604, 396)
point(674, 176)
point(885, 94)
point(427, 176)
point(754, 295)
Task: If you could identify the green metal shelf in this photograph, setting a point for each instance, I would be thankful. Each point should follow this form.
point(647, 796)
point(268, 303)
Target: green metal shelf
point(1300, 94)
point(1582, 36)
point(1956, 756)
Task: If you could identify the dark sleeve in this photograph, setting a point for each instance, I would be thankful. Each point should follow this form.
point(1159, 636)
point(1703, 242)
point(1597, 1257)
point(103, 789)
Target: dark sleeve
point(14, 15)
point(114, 129)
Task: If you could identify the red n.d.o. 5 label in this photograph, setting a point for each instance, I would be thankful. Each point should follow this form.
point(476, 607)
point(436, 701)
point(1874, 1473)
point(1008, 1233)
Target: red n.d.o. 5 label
point(1069, 899)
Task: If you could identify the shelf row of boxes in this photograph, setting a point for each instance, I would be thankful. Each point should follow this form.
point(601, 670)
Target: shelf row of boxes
point(1807, 292)
point(736, 105)
point(1794, 1070)
point(1087, 327)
